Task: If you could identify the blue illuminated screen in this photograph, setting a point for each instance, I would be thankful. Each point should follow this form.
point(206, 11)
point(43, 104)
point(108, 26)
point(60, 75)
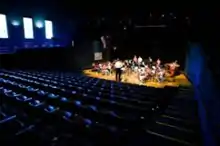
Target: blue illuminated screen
point(3, 27)
point(28, 28)
point(48, 29)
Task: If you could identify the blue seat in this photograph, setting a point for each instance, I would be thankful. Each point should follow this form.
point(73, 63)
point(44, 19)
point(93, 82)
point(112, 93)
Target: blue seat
point(78, 103)
point(35, 103)
point(42, 92)
point(23, 98)
point(30, 89)
point(50, 109)
point(53, 96)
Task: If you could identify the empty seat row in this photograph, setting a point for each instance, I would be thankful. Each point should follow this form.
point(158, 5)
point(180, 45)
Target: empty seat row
point(69, 108)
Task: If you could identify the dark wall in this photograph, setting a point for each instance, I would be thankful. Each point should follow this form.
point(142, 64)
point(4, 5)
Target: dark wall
point(35, 59)
point(164, 43)
point(67, 58)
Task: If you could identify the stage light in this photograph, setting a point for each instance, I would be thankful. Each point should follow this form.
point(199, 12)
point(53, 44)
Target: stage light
point(15, 23)
point(3, 27)
point(48, 29)
point(39, 24)
point(162, 15)
point(28, 28)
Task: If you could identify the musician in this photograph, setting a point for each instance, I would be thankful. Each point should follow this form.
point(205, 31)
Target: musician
point(104, 69)
point(135, 59)
point(150, 61)
point(143, 64)
point(95, 67)
point(158, 62)
point(142, 74)
point(109, 67)
point(140, 60)
point(173, 66)
point(118, 69)
point(161, 75)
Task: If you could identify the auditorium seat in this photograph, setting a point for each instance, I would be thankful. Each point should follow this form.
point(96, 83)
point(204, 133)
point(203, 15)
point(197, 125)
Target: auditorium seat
point(61, 108)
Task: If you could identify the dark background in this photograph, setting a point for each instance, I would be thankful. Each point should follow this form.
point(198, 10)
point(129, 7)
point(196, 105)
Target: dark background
point(86, 23)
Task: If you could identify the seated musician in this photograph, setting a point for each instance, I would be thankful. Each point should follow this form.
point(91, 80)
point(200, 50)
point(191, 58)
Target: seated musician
point(139, 60)
point(143, 64)
point(95, 67)
point(105, 69)
point(133, 64)
point(148, 71)
point(100, 67)
point(158, 63)
point(142, 74)
point(173, 66)
point(154, 69)
point(150, 60)
point(109, 67)
point(161, 75)
point(135, 60)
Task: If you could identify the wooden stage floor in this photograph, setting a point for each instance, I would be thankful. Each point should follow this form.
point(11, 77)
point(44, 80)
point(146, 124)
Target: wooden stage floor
point(176, 81)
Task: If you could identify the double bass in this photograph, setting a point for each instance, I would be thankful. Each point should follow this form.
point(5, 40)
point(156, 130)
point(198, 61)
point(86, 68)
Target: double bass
point(172, 67)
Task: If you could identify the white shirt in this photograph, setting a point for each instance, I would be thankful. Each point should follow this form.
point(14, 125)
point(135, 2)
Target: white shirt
point(118, 64)
point(158, 62)
point(140, 59)
point(109, 66)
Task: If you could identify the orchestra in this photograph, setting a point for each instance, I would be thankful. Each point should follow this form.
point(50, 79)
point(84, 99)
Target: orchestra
point(144, 70)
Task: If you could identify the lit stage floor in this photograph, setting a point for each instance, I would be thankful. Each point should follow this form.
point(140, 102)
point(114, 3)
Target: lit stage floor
point(176, 81)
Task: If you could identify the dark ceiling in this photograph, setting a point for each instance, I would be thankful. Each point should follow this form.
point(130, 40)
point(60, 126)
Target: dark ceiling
point(202, 21)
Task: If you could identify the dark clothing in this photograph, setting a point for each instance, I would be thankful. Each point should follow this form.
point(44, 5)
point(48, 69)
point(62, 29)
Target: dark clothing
point(118, 73)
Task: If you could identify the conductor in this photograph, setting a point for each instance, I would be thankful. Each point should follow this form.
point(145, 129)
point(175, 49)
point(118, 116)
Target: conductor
point(118, 70)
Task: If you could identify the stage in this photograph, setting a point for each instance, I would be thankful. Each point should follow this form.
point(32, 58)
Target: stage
point(179, 80)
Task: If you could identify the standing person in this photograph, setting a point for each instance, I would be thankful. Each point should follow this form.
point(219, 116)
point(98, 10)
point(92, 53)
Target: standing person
point(139, 60)
point(135, 59)
point(158, 63)
point(118, 67)
point(150, 60)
